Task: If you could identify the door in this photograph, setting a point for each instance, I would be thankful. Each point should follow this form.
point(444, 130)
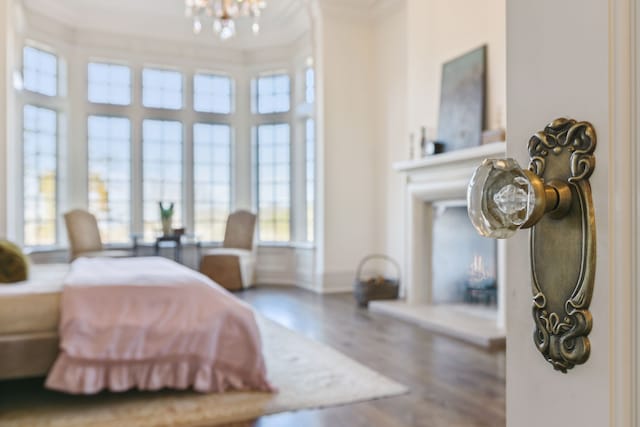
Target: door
point(573, 58)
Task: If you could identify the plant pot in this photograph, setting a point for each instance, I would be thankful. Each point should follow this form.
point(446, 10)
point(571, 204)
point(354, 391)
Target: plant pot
point(166, 226)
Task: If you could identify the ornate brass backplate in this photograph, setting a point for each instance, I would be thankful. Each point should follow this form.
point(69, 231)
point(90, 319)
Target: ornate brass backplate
point(563, 251)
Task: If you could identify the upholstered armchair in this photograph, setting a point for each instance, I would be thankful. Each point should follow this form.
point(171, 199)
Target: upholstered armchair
point(233, 265)
point(84, 236)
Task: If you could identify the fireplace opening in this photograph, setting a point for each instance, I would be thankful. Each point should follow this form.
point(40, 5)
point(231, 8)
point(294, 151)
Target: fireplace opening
point(463, 262)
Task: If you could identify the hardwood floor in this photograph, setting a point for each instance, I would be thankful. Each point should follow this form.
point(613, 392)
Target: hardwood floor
point(453, 384)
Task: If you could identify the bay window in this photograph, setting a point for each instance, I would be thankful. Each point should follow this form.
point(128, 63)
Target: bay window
point(161, 89)
point(40, 135)
point(161, 171)
point(109, 172)
point(109, 83)
point(310, 85)
point(212, 93)
point(40, 175)
point(274, 182)
point(273, 94)
point(158, 134)
point(310, 175)
point(39, 71)
point(211, 179)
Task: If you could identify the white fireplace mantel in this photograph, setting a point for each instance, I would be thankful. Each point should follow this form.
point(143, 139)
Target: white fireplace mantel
point(467, 156)
point(431, 179)
point(439, 178)
point(447, 170)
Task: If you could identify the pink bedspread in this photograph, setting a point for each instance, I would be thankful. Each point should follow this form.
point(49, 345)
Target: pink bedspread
point(150, 323)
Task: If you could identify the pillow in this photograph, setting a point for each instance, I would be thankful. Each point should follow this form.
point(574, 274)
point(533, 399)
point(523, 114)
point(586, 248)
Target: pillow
point(14, 266)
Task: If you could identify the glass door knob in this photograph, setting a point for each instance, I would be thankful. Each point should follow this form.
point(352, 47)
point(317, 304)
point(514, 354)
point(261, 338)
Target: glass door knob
point(502, 198)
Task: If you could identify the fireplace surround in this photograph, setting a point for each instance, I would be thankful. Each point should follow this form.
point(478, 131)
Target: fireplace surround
point(432, 181)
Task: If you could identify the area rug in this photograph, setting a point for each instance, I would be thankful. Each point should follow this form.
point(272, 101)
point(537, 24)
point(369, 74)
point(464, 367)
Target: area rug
point(308, 375)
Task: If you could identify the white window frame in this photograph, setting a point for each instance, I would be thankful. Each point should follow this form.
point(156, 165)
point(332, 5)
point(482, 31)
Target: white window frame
point(183, 87)
point(136, 112)
point(130, 166)
point(111, 63)
point(72, 184)
point(296, 117)
point(232, 107)
point(59, 104)
point(258, 119)
point(231, 167)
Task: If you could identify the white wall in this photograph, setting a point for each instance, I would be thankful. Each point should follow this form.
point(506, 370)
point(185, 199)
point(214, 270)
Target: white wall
point(390, 120)
point(7, 112)
point(5, 43)
point(440, 30)
point(353, 206)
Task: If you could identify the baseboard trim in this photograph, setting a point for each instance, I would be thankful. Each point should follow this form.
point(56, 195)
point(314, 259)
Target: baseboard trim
point(327, 283)
point(336, 282)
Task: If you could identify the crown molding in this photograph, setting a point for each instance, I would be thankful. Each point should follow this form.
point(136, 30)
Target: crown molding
point(361, 11)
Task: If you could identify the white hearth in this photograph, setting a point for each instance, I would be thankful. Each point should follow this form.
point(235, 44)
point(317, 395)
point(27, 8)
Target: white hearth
point(430, 180)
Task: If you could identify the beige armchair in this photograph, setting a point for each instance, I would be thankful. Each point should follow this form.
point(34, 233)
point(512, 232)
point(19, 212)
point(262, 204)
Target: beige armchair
point(84, 236)
point(233, 265)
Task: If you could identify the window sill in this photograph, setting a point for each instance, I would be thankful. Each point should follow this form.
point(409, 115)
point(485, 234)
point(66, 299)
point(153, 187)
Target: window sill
point(287, 245)
point(34, 250)
point(123, 246)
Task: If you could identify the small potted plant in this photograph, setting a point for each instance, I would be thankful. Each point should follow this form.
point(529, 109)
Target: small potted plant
point(166, 216)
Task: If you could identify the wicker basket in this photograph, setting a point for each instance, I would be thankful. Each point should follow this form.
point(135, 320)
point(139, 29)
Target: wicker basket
point(376, 288)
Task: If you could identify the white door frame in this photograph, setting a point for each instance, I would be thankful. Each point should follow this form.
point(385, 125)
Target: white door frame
point(623, 212)
point(635, 137)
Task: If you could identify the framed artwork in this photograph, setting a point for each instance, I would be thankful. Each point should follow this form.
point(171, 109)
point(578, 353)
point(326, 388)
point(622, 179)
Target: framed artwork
point(462, 100)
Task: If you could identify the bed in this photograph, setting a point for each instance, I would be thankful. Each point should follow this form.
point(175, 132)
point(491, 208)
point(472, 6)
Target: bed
point(118, 324)
point(29, 316)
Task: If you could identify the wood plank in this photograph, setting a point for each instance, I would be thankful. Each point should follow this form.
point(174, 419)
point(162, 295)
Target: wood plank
point(452, 383)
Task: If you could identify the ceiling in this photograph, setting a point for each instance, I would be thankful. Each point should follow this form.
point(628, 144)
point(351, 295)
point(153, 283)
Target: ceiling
point(283, 21)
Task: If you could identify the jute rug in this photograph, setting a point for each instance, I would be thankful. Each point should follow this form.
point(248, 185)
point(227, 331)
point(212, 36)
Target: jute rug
point(307, 373)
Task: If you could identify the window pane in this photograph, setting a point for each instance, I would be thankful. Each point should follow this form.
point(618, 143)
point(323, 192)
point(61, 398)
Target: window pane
point(274, 182)
point(310, 147)
point(109, 83)
point(212, 93)
point(40, 71)
point(109, 146)
point(161, 89)
point(310, 85)
point(162, 171)
point(40, 175)
point(273, 94)
point(212, 179)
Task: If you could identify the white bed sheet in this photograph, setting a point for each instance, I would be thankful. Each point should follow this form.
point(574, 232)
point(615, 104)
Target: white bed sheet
point(33, 305)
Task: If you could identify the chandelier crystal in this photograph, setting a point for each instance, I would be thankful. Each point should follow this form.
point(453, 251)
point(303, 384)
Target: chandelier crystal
point(224, 14)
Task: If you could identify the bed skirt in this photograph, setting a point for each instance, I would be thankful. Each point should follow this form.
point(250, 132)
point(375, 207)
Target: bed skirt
point(88, 377)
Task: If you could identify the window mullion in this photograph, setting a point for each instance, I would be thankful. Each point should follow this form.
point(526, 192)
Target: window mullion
point(136, 115)
point(188, 120)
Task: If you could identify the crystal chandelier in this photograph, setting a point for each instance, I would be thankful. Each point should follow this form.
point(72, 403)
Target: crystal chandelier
point(224, 13)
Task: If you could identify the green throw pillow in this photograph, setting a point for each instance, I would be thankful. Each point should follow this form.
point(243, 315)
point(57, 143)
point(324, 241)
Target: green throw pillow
point(14, 265)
